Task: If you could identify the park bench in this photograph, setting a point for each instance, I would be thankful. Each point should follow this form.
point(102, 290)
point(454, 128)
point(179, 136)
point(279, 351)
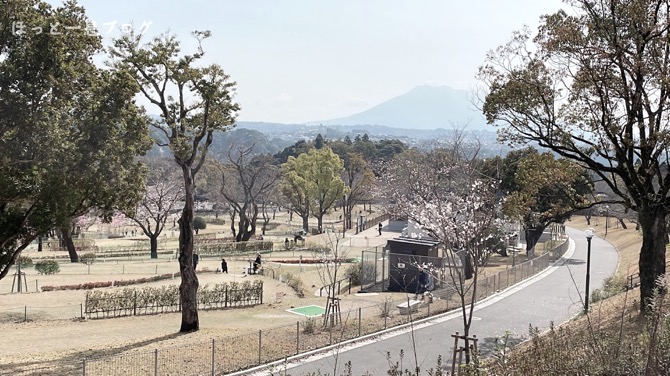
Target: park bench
point(411, 306)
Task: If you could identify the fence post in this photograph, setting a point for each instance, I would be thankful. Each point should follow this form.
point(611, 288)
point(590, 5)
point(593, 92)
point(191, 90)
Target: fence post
point(81, 310)
point(25, 313)
point(375, 283)
point(360, 318)
point(156, 362)
point(213, 353)
point(261, 292)
point(225, 303)
point(37, 289)
point(349, 285)
point(297, 337)
point(83, 367)
point(260, 344)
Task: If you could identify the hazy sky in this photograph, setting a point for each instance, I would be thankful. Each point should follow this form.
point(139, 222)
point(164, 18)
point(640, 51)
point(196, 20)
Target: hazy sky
point(297, 61)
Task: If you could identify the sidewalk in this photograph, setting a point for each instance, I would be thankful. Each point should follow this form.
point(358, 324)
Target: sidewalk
point(553, 296)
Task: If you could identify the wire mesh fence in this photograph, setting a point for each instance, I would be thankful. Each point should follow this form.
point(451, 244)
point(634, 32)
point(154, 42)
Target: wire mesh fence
point(225, 355)
point(34, 313)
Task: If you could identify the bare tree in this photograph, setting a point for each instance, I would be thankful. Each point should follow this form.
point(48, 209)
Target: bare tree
point(164, 190)
point(245, 180)
point(358, 177)
point(331, 258)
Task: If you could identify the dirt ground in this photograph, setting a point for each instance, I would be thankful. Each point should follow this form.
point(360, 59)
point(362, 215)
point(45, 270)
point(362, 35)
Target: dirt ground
point(53, 332)
point(54, 329)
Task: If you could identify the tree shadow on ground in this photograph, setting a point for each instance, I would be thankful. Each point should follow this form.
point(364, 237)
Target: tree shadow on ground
point(574, 262)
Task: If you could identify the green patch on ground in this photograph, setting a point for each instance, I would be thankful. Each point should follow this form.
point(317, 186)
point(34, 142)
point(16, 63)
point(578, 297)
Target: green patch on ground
point(309, 311)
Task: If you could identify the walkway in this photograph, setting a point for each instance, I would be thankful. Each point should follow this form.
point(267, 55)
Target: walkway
point(551, 296)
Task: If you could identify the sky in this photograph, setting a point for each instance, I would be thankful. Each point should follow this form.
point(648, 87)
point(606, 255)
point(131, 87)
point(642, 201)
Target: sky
point(301, 61)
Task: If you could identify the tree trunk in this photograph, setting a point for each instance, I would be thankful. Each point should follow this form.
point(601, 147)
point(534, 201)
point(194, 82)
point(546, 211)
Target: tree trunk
point(305, 223)
point(623, 224)
point(232, 223)
point(153, 240)
point(188, 290)
point(319, 223)
point(532, 237)
point(652, 253)
point(66, 232)
point(244, 233)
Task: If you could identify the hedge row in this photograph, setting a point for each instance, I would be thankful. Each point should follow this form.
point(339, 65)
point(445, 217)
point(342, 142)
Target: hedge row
point(151, 300)
point(220, 249)
point(125, 282)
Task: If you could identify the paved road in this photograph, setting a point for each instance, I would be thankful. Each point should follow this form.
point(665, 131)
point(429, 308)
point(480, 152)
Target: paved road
point(551, 296)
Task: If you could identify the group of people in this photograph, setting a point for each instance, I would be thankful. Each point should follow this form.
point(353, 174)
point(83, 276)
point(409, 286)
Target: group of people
point(256, 264)
point(425, 283)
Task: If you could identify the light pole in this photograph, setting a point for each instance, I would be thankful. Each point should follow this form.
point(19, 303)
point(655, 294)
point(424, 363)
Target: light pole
point(589, 236)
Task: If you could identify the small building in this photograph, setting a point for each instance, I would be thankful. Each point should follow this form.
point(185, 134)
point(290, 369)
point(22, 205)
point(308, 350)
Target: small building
point(404, 254)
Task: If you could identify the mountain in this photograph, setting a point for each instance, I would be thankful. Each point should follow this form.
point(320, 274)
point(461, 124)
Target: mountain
point(424, 107)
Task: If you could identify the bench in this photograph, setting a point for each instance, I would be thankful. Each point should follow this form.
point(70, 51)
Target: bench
point(409, 307)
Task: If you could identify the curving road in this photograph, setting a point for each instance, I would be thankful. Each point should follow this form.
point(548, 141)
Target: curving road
point(551, 296)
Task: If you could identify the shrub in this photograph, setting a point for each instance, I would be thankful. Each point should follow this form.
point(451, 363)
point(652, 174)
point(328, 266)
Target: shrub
point(385, 307)
point(216, 221)
point(47, 267)
point(295, 283)
point(199, 223)
point(309, 325)
point(25, 262)
point(355, 271)
point(612, 285)
point(87, 258)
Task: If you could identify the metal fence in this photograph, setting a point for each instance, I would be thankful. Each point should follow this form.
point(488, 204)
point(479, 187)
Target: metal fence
point(225, 355)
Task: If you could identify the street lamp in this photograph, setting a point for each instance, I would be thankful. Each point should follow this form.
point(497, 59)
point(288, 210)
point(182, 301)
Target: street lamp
point(589, 236)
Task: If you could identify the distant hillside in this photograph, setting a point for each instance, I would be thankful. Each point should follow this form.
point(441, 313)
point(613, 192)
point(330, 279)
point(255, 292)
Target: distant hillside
point(223, 140)
point(424, 107)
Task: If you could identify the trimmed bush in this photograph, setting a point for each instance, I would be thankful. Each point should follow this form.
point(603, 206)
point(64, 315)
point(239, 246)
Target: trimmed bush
point(216, 221)
point(25, 262)
point(199, 223)
point(47, 267)
point(87, 258)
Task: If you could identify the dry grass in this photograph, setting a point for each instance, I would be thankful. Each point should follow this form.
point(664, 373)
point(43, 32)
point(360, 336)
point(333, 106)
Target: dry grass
point(613, 339)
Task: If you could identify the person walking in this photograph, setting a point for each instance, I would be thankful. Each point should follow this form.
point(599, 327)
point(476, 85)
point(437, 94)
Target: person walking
point(421, 283)
point(224, 266)
point(380, 228)
point(196, 258)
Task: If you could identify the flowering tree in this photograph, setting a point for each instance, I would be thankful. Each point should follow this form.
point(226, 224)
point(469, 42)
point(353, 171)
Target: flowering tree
point(164, 189)
point(446, 196)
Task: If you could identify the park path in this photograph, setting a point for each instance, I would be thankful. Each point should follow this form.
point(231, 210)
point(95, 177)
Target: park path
point(553, 296)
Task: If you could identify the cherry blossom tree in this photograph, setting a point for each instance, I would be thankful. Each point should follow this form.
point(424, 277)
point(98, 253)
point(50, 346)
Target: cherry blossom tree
point(444, 194)
point(164, 190)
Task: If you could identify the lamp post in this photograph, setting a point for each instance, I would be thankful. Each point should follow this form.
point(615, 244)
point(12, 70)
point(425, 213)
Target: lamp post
point(589, 236)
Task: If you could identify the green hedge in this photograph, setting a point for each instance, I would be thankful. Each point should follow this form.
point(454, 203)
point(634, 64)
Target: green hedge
point(47, 267)
point(151, 300)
